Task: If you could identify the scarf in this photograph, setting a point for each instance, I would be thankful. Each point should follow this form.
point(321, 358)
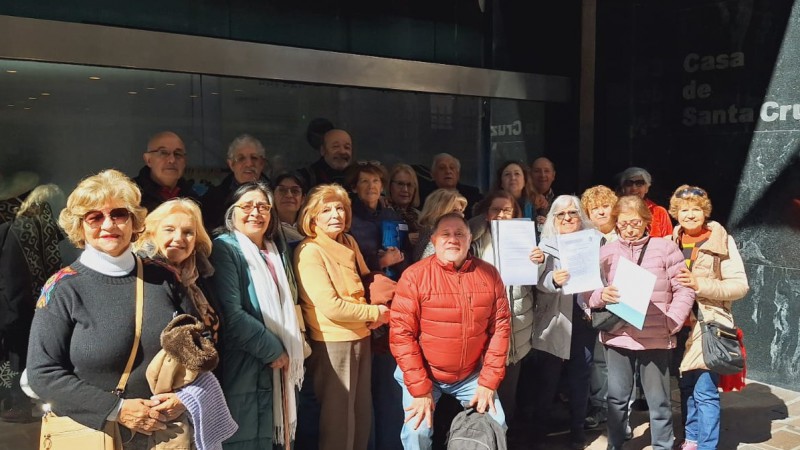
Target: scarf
point(209, 412)
point(112, 266)
point(279, 316)
point(188, 274)
point(38, 235)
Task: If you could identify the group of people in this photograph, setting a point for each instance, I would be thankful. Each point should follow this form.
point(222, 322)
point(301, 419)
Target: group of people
point(333, 337)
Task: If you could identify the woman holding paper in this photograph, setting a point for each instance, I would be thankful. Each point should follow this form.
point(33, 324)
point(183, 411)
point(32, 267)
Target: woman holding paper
point(562, 334)
point(714, 270)
point(501, 205)
point(646, 349)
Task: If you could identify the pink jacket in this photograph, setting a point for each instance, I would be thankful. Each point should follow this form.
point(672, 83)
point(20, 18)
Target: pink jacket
point(670, 303)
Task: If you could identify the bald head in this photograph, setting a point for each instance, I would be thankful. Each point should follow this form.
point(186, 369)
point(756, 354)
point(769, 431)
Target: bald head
point(166, 158)
point(543, 173)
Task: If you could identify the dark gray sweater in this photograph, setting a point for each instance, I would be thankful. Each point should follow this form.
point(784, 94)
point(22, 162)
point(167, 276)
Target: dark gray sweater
point(82, 335)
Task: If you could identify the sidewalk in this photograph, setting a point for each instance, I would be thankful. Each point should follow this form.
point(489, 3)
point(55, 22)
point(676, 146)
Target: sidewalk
point(760, 417)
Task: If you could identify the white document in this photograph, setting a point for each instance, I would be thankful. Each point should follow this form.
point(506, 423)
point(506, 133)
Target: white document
point(635, 287)
point(580, 256)
point(512, 242)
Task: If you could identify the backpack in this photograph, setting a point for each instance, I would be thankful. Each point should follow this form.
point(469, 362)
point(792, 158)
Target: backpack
point(471, 430)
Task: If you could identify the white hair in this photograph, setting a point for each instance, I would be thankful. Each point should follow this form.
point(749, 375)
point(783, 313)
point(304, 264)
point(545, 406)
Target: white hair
point(441, 156)
point(561, 202)
point(244, 140)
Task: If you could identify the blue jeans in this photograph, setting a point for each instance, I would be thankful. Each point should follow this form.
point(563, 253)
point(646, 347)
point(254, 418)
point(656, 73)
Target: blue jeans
point(700, 399)
point(463, 391)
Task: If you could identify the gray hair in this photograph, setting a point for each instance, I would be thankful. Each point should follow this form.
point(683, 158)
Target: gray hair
point(562, 201)
point(440, 156)
point(244, 140)
point(631, 172)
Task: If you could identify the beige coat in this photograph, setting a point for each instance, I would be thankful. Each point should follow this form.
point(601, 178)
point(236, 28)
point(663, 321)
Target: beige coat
point(721, 279)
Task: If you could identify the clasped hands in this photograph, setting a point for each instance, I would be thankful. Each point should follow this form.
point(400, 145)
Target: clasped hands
point(148, 415)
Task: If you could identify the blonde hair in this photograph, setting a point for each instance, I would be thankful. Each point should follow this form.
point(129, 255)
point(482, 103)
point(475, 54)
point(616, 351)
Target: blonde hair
point(691, 195)
point(405, 168)
point(92, 193)
point(315, 201)
point(439, 203)
point(49, 194)
point(186, 206)
point(632, 203)
point(597, 196)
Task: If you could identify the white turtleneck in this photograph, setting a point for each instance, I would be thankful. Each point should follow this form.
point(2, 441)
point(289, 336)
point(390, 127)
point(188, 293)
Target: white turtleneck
point(113, 266)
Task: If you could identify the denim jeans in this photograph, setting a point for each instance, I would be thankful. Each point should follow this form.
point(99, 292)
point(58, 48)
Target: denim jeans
point(700, 400)
point(463, 391)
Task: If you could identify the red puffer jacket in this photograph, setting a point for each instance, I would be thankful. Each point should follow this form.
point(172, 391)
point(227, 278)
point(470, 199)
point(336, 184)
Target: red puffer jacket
point(446, 322)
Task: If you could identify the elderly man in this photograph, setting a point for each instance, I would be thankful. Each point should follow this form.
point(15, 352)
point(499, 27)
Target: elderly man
point(637, 181)
point(543, 173)
point(247, 160)
point(161, 178)
point(336, 154)
point(449, 332)
point(445, 174)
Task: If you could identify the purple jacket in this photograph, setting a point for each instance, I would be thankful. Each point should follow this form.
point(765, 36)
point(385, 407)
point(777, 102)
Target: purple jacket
point(670, 303)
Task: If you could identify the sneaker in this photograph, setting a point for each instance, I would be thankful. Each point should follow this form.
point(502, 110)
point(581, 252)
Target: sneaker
point(18, 415)
point(628, 432)
point(595, 419)
point(689, 445)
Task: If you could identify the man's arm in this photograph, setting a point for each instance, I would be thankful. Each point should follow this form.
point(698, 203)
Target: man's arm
point(404, 329)
point(494, 362)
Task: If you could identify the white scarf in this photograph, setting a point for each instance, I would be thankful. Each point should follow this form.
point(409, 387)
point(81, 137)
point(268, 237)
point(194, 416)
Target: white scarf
point(279, 316)
point(112, 266)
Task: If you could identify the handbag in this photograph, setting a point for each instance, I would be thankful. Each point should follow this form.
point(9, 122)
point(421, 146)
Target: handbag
point(721, 350)
point(63, 433)
point(605, 320)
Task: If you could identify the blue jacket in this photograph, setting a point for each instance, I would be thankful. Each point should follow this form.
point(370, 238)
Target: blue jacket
point(247, 345)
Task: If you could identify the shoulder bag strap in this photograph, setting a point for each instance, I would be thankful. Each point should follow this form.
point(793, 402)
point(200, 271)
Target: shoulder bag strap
point(641, 255)
point(123, 381)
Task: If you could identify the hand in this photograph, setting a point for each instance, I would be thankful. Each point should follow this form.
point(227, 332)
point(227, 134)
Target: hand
point(169, 405)
point(138, 415)
point(421, 408)
point(281, 362)
point(390, 257)
point(536, 256)
point(413, 238)
point(541, 220)
point(484, 399)
point(687, 278)
point(610, 294)
point(383, 317)
point(560, 276)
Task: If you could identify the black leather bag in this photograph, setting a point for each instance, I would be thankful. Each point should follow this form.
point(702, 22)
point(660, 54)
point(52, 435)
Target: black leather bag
point(721, 350)
point(605, 320)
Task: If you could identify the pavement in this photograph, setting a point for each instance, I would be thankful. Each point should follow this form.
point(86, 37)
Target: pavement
point(760, 417)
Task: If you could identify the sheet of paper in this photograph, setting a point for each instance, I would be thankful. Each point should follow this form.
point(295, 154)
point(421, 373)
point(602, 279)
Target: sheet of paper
point(580, 255)
point(635, 287)
point(512, 242)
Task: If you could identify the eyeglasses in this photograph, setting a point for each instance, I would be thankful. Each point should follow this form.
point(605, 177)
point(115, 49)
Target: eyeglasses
point(262, 208)
point(165, 153)
point(635, 223)
point(498, 211)
point(637, 183)
point(286, 190)
point(368, 163)
point(573, 214)
point(96, 218)
point(255, 159)
point(688, 192)
point(403, 185)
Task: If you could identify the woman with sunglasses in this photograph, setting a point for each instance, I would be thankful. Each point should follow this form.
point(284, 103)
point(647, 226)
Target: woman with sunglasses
point(647, 350)
point(262, 349)
point(636, 181)
point(84, 324)
point(289, 196)
point(562, 335)
point(714, 270)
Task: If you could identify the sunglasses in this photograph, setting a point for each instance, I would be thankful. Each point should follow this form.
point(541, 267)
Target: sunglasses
point(95, 218)
point(637, 183)
point(262, 208)
point(688, 192)
point(563, 214)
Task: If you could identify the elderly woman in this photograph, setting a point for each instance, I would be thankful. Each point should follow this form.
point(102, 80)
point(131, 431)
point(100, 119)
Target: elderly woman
point(366, 181)
point(404, 197)
point(174, 234)
point(562, 335)
point(289, 196)
point(714, 270)
point(83, 327)
point(636, 181)
point(514, 178)
point(262, 350)
point(501, 205)
point(329, 267)
point(439, 203)
point(597, 203)
point(648, 350)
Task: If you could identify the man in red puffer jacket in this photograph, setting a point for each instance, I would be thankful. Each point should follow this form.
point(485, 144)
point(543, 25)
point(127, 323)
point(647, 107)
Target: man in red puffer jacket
point(449, 331)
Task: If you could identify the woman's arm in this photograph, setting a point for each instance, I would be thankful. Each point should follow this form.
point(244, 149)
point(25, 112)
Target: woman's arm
point(242, 330)
point(733, 284)
point(682, 296)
